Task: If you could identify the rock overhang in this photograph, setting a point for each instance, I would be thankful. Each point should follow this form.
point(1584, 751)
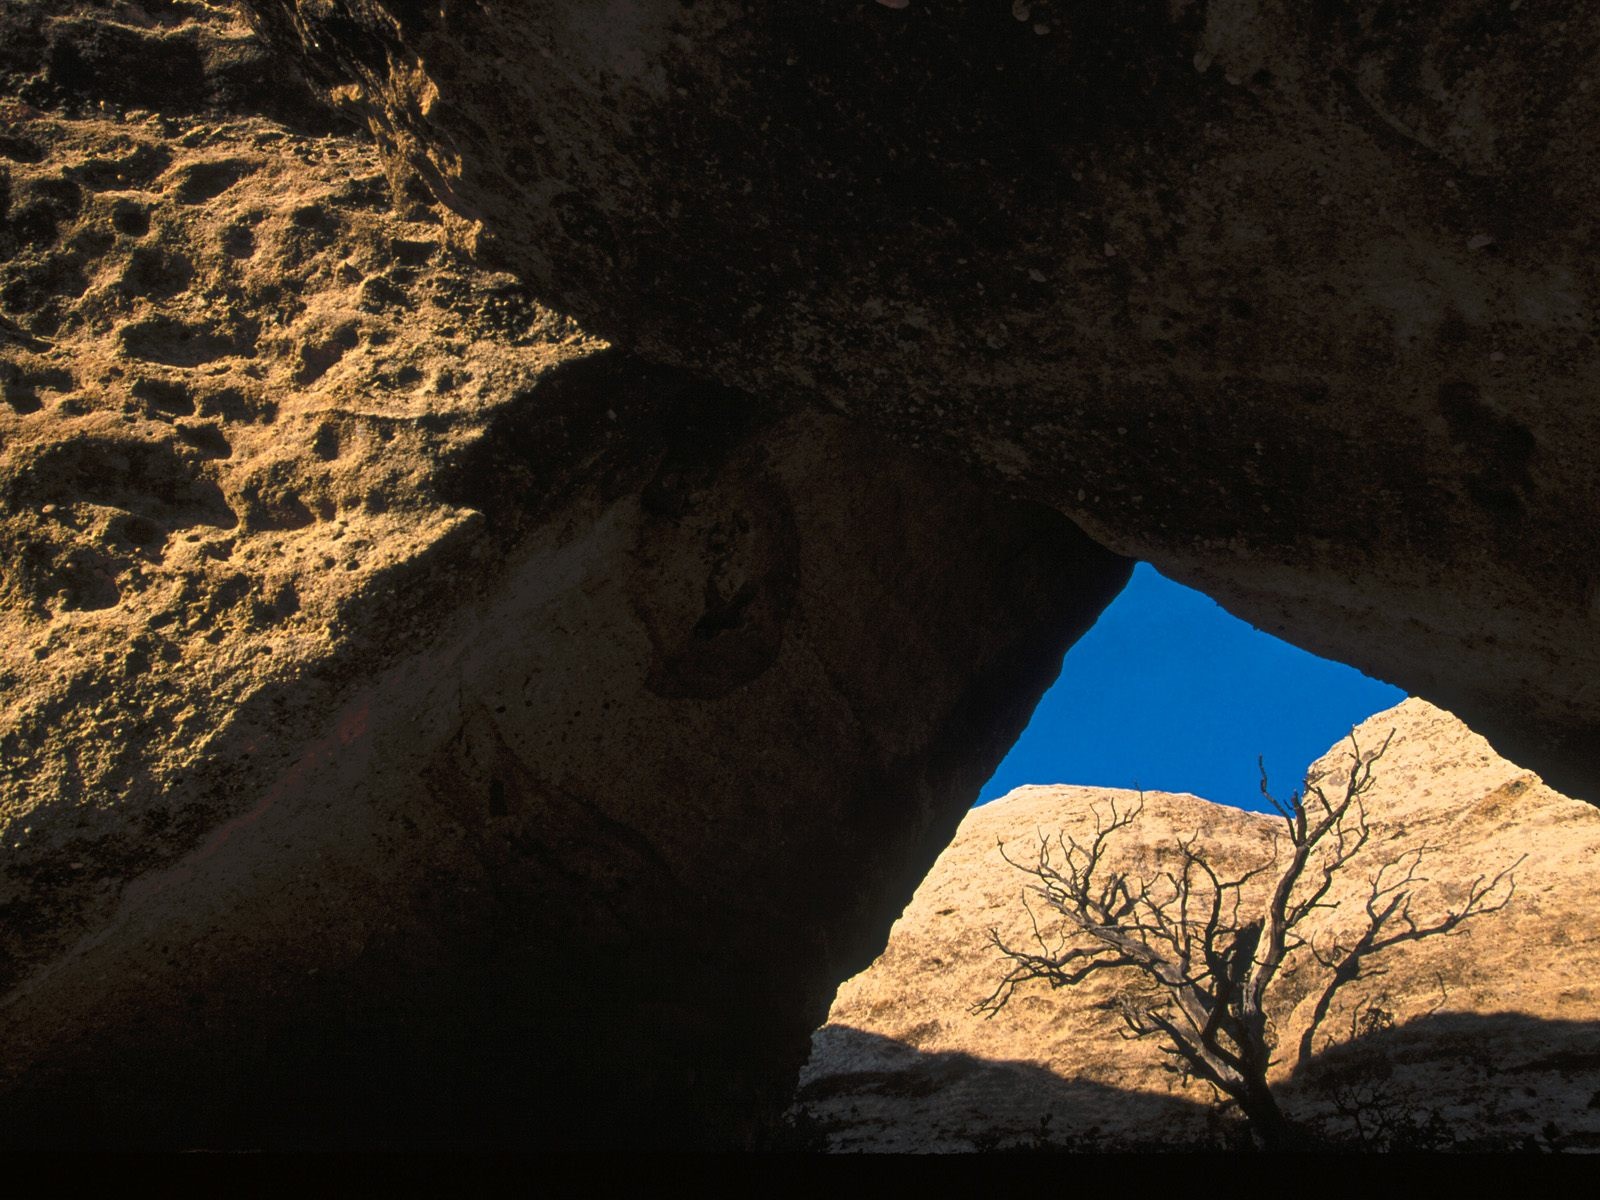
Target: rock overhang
point(1293, 304)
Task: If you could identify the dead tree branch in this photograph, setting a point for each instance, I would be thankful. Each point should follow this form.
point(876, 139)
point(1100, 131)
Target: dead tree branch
point(1213, 944)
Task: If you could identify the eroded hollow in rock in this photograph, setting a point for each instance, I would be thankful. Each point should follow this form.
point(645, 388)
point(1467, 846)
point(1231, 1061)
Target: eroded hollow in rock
point(709, 687)
point(1223, 282)
point(376, 790)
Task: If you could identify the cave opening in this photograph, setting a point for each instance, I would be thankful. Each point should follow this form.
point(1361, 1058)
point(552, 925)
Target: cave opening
point(1170, 692)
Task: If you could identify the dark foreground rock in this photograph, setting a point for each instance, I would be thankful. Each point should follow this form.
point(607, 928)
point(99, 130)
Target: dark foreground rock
point(1295, 301)
point(587, 851)
point(423, 725)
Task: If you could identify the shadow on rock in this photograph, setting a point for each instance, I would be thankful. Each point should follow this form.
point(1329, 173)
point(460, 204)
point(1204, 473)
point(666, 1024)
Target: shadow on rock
point(873, 1093)
point(1446, 1082)
point(1456, 1081)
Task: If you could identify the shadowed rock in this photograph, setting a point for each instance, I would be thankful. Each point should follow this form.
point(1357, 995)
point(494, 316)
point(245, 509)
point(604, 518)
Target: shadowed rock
point(470, 736)
point(1293, 301)
point(590, 847)
point(423, 725)
point(878, 1095)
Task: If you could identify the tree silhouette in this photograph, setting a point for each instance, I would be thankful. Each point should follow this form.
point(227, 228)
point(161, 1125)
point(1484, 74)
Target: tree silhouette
point(1212, 945)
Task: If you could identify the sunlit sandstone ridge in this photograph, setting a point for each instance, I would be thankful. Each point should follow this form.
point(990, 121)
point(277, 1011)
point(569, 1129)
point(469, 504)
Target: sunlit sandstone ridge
point(1494, 1026)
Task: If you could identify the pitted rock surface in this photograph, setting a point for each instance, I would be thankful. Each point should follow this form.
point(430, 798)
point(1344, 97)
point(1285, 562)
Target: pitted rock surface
point(423, 724)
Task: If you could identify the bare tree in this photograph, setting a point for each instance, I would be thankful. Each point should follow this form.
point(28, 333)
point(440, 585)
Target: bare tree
point(1208, 945)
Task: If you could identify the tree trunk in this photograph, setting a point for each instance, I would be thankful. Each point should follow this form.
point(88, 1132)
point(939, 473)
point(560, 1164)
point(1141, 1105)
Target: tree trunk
point(1272, 1129)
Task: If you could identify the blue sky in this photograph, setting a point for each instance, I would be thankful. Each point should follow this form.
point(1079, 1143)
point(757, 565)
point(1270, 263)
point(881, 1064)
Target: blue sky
point(1171, 693)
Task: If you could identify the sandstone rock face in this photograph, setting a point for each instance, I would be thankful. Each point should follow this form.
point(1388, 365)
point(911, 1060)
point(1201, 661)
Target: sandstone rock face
point(1296, 302)
point(179, 56)
point(1494, 1026)
point(424, 725)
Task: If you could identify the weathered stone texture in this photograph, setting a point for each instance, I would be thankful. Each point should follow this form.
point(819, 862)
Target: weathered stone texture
point(1492, 1027)
point(424, 725)
point(1295, 301)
